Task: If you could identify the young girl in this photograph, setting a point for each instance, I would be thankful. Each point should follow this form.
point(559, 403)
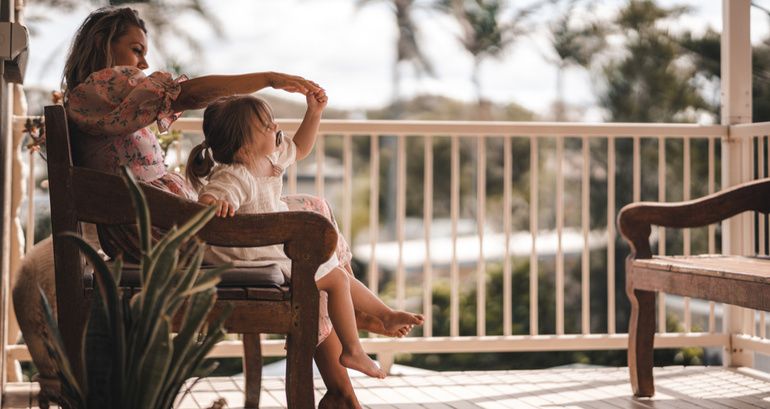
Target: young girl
point(251, 154)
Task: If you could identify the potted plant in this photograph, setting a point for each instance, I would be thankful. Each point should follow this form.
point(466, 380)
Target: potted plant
point(132, 359)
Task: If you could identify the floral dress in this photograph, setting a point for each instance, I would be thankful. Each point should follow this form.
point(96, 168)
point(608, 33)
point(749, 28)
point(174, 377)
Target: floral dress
point(111, 112)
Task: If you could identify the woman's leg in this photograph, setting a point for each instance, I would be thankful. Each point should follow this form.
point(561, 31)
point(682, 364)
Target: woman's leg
point(339, 390)
point(336, 283)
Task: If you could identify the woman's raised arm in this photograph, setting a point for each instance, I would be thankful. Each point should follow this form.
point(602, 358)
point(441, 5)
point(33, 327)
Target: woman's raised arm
point(198, 92)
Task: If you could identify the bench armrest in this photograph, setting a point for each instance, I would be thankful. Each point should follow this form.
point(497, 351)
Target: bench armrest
point(635, 220)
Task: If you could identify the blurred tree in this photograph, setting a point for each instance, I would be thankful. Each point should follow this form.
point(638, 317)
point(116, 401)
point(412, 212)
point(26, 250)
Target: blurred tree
point(408, 49)
point(652, 82)
point(486, 31)
point(573, 45)
point(160, 16)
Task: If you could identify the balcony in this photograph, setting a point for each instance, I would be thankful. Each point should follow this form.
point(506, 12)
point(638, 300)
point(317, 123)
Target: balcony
point(503, 235)
point(506, 212)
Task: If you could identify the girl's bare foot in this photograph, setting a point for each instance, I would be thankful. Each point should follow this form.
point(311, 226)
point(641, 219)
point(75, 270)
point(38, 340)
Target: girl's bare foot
point(370, 323)
point(401, 321)
point(361, 363)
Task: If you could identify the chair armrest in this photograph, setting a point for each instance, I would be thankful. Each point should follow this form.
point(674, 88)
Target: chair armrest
point(635, 220)
point(99, 198)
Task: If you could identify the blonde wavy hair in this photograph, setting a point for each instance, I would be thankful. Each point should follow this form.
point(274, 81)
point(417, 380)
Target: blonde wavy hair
point(91, 48)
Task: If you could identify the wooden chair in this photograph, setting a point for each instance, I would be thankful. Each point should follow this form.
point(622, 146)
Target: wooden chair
point(84, 195)
point(736, 280)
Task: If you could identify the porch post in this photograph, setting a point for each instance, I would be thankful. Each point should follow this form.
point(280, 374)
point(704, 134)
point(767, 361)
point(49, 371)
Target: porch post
point(6, 15)
point(736, 165)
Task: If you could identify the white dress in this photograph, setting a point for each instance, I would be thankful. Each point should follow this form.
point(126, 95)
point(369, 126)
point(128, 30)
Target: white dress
point(249, 193)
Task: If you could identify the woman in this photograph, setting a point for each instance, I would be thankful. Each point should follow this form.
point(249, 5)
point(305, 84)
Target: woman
point(111, 102)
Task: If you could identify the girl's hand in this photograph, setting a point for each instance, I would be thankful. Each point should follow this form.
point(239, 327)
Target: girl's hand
point(224, 209)
point(316, 102)
point(293, 83)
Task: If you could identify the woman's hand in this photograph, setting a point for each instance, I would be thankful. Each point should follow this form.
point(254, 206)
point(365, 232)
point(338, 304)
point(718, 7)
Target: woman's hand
point(224, 208)
point(293, 83)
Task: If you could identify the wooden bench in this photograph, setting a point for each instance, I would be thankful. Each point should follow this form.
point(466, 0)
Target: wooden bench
point(84, 195)
point(736, 280)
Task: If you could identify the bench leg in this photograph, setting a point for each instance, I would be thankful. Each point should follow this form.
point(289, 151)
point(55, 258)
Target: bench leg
point(252, 369)
point(641, 335)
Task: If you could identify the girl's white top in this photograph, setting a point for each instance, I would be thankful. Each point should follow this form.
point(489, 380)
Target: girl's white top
point(249, 193)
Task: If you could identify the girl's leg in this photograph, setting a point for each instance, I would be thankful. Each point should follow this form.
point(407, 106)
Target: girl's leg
point(337, 284)
point(339, 390)
point(385, 321)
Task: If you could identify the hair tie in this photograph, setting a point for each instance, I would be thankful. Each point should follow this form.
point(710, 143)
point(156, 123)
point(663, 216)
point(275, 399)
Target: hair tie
point(204, 144)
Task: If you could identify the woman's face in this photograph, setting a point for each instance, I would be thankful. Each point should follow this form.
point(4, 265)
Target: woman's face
point(130, 49)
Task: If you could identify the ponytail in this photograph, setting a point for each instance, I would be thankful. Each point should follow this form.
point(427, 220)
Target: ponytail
point(199, 165)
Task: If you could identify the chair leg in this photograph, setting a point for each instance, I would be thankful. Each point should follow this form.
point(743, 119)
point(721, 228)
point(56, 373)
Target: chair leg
point(641, 335)
point(299, 369)
point(252, 369)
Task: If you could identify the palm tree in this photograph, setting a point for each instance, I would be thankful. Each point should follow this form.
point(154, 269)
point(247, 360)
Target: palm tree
point(485, 34)
point(573, 46)
point(407, 45)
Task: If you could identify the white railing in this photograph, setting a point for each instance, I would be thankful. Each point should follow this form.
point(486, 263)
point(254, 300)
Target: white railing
point(570, 165)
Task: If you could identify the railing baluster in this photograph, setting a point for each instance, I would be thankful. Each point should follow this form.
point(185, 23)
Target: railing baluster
point(686, 235)
point(610, 235)
point(760, 216)
point(400, 220)
point(319, 166)
point(347, 189)
point(30, 239)
point(427, 295)
point(585, 221)
point(481, 203)
point(454, 292)
point(559, 284)
point(374, 211)
point(533, 226)
point(661, 230)
point(712, 229)
point(291, 177)
point(507, 268)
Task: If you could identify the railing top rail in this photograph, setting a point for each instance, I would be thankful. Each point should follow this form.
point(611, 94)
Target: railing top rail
point(750, 130)
point(492, 128)
point(496, 128)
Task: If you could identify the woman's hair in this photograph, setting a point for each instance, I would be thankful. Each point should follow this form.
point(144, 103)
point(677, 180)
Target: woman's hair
point(91, 49)
point(227, 126)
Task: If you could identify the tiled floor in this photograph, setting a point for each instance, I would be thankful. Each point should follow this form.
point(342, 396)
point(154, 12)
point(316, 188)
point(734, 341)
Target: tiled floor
point(605, 388)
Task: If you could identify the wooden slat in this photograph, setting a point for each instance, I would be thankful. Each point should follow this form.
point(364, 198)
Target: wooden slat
point(741, 268)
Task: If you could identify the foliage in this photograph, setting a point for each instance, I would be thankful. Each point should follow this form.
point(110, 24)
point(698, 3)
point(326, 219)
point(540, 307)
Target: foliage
point(162, 18)
point(408, 48)
point(34, 131)
point(650, 83)
point(132, 360)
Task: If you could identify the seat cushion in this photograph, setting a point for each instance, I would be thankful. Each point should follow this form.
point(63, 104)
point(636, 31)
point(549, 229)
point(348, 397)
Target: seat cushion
point(241, 276)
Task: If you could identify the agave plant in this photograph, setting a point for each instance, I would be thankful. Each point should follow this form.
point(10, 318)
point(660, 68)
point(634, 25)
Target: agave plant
point(132, 359)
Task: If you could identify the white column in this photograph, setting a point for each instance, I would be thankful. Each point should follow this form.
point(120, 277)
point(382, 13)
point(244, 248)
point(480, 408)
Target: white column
point(736, 164)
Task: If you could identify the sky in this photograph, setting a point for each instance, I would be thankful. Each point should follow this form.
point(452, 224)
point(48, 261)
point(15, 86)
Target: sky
point(350, 51)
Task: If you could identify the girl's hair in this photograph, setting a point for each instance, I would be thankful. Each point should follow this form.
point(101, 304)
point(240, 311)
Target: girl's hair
point(227, 126)
point(91, 50)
